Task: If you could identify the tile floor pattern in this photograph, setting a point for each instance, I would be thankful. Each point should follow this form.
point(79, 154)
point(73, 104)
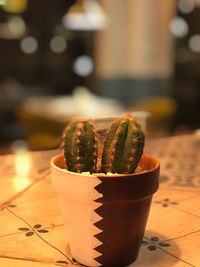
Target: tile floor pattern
point(32, 231)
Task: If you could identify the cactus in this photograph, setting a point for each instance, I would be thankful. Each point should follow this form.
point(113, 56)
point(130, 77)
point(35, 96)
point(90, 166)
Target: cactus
point(80, 147)
point(122, 146)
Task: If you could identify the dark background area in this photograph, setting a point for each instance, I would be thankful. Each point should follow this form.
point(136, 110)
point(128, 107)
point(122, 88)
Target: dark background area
point(47, 73)
point(187, 75)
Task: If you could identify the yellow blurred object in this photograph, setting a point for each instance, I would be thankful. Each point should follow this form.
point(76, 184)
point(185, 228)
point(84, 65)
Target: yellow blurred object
point(162, 110)
point(159, 106)
point(78, 7)
point(42, 133)
point(2, 2)
point(43, 141)
point(15, 6)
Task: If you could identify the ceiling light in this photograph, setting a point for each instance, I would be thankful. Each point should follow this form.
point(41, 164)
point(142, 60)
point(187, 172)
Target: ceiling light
point(85, 15)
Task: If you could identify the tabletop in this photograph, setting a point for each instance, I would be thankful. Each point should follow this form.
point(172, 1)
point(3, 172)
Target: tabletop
point(32, 230)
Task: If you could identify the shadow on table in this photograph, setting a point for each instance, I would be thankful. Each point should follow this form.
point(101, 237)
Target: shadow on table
point(157, 251)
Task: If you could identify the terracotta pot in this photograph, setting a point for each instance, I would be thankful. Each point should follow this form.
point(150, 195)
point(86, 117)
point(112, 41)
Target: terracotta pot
point(105, 216)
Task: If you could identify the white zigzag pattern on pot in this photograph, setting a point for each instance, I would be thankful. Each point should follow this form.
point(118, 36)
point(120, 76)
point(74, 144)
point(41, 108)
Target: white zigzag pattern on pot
point(77, 199)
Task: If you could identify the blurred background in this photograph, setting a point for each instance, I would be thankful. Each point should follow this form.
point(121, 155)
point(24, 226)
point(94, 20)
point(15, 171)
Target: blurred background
point(66, 58)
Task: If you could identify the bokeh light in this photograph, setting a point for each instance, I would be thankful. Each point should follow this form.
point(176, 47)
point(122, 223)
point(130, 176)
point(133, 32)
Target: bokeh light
point(178, 27)
point(186, 6)
point(29, 45)
point(58, 44)
point(17, 25)
point(83, 65)
point(194, 43)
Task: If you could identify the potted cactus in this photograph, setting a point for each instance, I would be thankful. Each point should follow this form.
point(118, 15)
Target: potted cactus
point(105, 185)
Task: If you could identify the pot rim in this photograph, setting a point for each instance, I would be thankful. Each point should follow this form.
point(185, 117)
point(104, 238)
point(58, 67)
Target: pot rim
point(99, 175)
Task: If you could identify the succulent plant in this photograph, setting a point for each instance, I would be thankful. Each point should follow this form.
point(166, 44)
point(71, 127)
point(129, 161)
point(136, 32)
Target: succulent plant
point(123, 146)
point(80, 147)
point(120, 151)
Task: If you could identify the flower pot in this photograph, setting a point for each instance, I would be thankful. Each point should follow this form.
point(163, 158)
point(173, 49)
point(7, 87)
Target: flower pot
point(105, 216)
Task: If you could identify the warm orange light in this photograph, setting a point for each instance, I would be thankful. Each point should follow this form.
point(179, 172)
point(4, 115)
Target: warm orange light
point(15, 6)
point(22, 163)
point(2, 2)
point(22, 167)
point(21, 183)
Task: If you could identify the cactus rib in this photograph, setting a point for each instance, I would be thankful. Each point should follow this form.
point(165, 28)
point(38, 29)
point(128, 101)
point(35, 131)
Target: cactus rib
point(80, 147)
point(123, 146)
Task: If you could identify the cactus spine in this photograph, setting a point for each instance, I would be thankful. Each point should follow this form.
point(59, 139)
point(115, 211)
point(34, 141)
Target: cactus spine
point(122, 147)
point(80, 147)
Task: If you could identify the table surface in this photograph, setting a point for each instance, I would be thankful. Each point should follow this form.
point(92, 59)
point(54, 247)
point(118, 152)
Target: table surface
point(32, 230)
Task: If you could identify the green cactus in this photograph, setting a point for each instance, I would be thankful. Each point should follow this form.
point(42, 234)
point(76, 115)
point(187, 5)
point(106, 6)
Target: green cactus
point(80, 147)
point(123, 146)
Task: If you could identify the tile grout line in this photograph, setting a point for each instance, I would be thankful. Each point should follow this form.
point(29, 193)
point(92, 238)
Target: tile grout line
point(23, 259)
point(187, 212)
point(181, 236)
point(188, 198)
point(170, 254)
point(36, 233)
point(4, 204)
point(35, 200)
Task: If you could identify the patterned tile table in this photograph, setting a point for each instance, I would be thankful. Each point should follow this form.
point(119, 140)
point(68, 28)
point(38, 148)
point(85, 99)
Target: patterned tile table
point(32, 230)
